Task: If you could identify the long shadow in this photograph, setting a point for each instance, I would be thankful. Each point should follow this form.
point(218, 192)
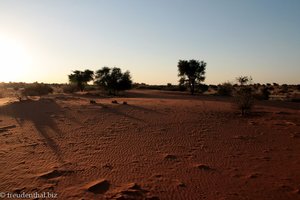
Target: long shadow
point(142, 109)
point(37, 112)
point(113, 110)
point(117, 112)
point(158, 94)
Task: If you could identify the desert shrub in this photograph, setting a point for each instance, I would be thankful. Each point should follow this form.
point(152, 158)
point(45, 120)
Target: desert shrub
point(203, 88)
point(90, 88)
point(182, 87)
point(270, 88)
point(284, 88)
point(214, 87)
point(265, 93)
point(70, 88)
point(37, 89)
point(225, 89)
point(244, 95)
point(244, 99)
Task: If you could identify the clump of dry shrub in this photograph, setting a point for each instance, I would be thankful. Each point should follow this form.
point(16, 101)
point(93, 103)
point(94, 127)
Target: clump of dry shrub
point(225, 89)
point(37, 89)
point(244, 99)
point(244, 95)
point(70, 88)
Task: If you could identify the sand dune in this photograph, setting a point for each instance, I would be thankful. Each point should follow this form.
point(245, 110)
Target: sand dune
point(159, 145)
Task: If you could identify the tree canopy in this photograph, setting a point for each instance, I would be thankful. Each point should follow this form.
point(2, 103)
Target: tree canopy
point(191, 72)
point(113, 80)
point(81, 78)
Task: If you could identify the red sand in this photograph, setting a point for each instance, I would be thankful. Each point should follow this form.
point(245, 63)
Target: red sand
point(160, 146)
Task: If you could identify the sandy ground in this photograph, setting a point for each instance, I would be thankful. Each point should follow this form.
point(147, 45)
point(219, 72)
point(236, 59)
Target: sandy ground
point(160, 146)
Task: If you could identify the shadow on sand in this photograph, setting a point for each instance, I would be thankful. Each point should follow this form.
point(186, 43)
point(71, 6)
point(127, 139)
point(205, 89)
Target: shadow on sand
point(40, 114)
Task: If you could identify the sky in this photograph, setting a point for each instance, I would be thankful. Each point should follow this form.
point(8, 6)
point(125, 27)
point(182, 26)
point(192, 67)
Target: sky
point(44, 40)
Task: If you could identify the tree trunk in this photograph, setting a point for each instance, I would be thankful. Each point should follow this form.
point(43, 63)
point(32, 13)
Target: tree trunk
point(192, 87)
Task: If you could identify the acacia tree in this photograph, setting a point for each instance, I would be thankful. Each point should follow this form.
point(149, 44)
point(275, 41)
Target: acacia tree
point(242, 80)
point(191, 72)
point(81, 78)
point(113, 80)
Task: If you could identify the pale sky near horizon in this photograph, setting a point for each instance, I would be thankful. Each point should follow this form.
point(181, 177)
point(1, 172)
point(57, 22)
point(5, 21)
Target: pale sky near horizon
point(45, 40)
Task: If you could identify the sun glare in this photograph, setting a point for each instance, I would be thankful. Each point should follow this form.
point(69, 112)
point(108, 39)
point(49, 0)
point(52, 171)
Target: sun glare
point(13, 60)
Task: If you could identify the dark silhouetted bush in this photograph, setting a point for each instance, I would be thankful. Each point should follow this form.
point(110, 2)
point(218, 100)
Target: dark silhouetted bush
point(203, 88)
point(182, 88)
point(214, 87)
point(265, 93)
point(244, 95)
point(284, 88)
point(244, 99)
point(225, 89)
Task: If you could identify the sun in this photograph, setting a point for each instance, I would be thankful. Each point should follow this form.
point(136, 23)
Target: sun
point(13, 60)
